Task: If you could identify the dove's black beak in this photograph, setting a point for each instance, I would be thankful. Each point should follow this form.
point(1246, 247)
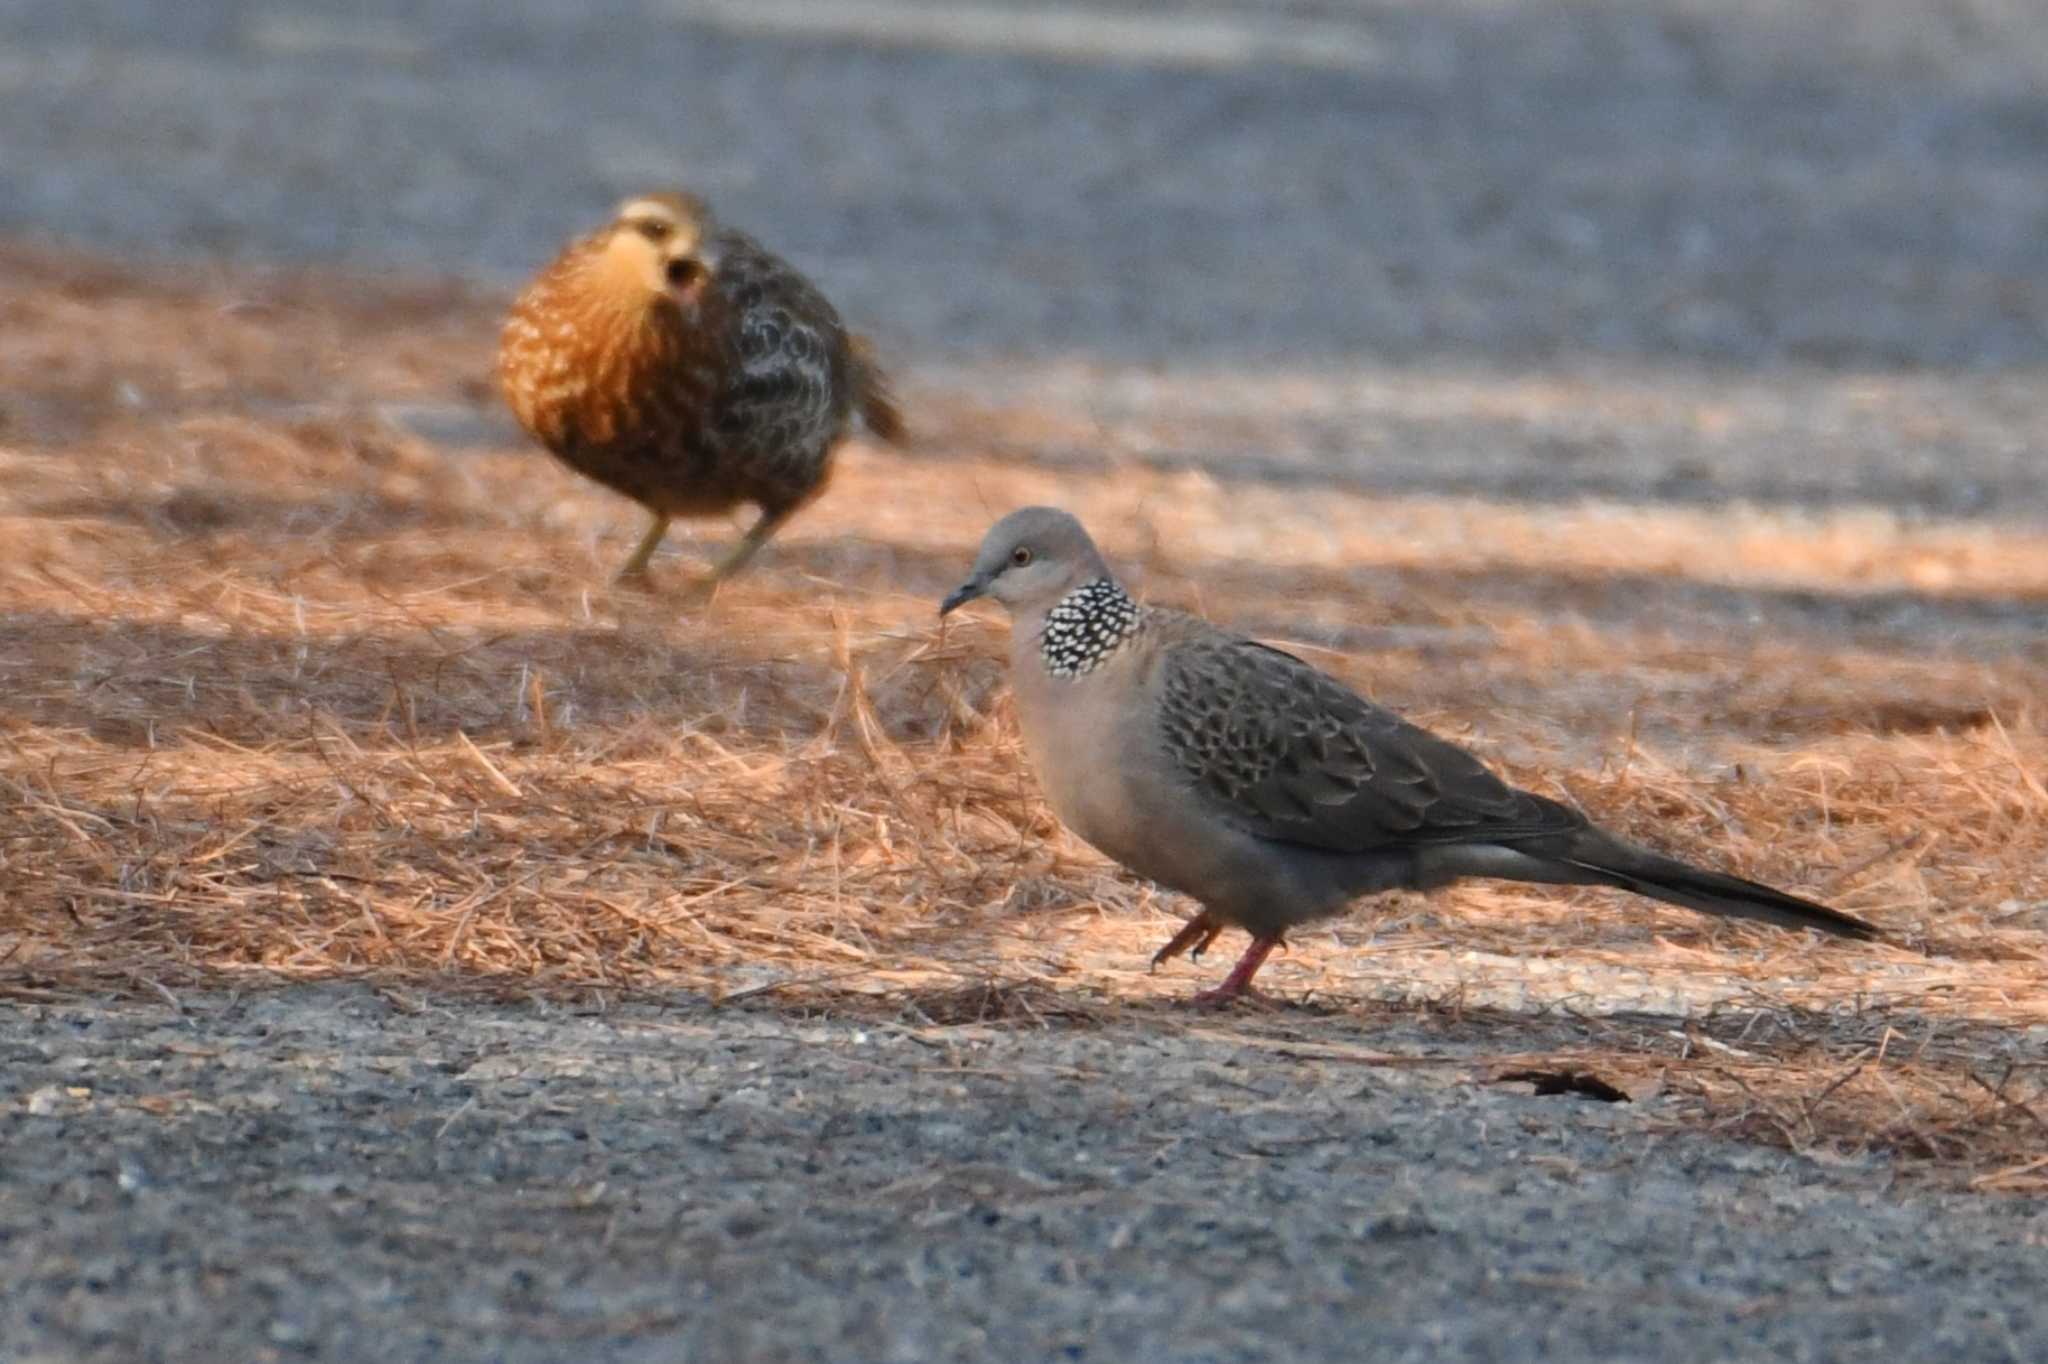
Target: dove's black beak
point(963, 594)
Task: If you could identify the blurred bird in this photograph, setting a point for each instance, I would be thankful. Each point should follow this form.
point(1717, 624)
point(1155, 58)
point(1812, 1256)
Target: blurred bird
point(1264, 788)
point(680, 363)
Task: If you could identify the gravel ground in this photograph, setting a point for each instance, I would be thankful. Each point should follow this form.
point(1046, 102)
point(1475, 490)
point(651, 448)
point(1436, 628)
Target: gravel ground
point(320, 1175)
point(1743, 228)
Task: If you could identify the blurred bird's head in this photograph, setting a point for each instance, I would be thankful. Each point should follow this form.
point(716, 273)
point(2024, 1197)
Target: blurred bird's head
point(661, 243)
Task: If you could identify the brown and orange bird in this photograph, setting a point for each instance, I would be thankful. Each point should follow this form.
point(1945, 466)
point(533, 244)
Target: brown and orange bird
point(682, 364)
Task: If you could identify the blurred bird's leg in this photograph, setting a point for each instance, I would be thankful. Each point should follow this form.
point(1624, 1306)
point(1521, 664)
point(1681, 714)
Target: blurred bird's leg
point(1194, 939)
point(750, 544)
point(636, 565)
point(1239, 981)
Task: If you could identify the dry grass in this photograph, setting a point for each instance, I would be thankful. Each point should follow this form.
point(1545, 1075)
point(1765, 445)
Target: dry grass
point(286, 692)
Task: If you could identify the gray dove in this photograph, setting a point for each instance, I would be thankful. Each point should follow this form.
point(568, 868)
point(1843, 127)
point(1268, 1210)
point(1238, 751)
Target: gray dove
point(1265, 789)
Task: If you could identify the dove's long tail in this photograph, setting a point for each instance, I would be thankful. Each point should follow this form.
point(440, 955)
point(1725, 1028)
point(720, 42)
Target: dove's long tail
point(1609, 861)
point(1591, 857)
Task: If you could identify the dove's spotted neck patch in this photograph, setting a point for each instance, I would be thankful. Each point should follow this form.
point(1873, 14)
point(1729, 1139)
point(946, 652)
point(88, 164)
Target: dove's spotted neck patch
point(1085, 627)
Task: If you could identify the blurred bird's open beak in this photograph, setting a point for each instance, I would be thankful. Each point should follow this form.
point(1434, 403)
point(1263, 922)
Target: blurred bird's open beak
point(687, 277)
point(963, 594)
point(689, 272)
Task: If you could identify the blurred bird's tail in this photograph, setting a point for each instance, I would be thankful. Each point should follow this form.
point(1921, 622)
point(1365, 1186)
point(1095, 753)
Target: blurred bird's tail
point(1606, 860)
point(873, 396)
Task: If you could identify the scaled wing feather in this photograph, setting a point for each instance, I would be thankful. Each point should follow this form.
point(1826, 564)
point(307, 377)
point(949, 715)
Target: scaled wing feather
point(1286, 752)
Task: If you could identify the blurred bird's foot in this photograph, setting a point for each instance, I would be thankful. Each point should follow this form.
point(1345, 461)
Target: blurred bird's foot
point(740, 554)
point(1239, 982)
point(700, 590)
point(639, 580)
point(634, 572)
point(1194, 939)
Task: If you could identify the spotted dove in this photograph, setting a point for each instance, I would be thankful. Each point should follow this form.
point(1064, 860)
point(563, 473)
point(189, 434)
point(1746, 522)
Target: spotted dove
point(1265, 789)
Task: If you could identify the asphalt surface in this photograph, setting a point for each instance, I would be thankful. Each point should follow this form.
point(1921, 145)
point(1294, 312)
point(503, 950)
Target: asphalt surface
point(321, 1175)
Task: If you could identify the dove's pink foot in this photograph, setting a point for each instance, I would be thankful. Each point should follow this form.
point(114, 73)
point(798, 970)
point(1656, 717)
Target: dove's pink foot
point(1239, 981)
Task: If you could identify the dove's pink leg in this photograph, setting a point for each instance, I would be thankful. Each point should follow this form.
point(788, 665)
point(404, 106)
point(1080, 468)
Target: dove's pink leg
point(1239, 981)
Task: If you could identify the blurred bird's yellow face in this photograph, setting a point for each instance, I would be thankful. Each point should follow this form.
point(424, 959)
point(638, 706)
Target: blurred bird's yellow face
point(657, 243)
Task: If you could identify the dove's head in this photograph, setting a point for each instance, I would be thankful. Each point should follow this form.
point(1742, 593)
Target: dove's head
point(1029, 560)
